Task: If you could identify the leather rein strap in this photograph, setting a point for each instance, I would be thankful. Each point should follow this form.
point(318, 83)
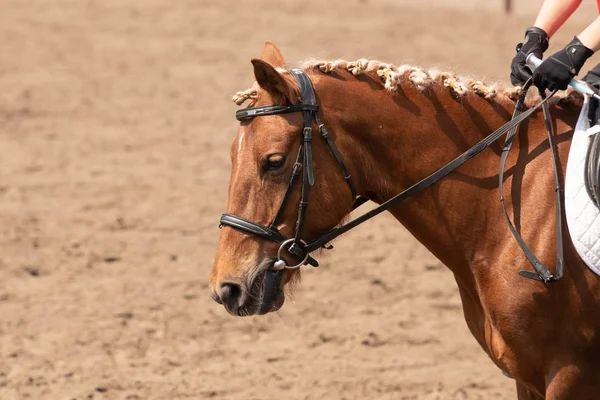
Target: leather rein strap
point(301, 250)
point(542, 273)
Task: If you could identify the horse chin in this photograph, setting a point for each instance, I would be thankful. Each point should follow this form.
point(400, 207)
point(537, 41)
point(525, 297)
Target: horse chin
point(266, 295)
point(272, 296)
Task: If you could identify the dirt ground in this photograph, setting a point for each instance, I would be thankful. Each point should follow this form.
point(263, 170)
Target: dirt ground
point(115, 125)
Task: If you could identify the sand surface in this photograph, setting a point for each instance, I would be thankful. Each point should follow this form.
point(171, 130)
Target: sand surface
point(115, 125)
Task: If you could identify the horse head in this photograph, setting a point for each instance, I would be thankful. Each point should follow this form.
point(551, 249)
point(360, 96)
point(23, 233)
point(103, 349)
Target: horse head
point(267, 157)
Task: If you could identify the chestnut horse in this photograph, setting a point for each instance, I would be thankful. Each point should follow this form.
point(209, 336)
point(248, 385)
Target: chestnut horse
point(393, 126)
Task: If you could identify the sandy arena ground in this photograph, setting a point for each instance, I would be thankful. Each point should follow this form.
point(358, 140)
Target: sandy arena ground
point(115, 125)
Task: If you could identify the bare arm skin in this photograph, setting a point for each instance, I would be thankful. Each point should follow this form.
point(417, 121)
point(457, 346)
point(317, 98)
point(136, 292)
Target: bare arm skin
point(590, 37)
point(554, 13)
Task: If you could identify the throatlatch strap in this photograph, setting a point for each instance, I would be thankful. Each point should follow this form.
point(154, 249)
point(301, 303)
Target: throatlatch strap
point(336, 155)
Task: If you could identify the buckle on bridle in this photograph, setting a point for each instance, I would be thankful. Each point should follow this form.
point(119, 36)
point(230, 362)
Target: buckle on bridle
point(280, 264)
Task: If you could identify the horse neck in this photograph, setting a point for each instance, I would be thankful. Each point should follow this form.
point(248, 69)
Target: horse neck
point(394, 140)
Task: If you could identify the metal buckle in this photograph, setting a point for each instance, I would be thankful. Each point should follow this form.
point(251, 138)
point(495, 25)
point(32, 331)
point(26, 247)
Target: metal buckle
point(280, 264)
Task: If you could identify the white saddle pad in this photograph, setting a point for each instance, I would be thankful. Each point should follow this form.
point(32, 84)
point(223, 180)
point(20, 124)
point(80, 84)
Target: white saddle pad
point(583, 218)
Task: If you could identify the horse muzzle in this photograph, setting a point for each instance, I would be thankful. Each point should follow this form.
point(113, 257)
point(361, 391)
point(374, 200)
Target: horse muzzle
point(261, 294)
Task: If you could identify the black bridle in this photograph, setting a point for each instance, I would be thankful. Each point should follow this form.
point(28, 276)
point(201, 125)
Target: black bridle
point(301, 249)
point(304, 164)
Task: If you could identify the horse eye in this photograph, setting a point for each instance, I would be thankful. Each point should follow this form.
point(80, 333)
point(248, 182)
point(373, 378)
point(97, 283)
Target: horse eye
point(275, 161)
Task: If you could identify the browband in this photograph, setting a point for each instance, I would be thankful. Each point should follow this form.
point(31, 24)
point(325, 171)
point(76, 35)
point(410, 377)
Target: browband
point(251, 112)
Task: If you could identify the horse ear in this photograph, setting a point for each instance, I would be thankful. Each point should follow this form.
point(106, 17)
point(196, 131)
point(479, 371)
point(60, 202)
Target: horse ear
point(273, 82)
point(272, 55)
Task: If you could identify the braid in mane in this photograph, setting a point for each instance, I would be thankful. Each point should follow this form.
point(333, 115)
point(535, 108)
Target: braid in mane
point(392, 76)
point(422, 79)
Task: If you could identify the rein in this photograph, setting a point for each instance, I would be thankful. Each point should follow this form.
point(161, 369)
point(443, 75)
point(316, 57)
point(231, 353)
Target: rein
point(301, 250)
point(542, 273)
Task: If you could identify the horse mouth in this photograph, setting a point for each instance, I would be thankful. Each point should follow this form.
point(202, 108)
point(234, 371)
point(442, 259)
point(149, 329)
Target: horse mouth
point(265, 295)
point(272, 296)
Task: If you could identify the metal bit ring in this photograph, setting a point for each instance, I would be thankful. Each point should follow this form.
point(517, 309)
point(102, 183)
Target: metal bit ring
point(280, 263)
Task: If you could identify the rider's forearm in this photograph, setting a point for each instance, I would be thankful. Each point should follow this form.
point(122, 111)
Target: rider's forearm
point(590, 37)
point(554, 13)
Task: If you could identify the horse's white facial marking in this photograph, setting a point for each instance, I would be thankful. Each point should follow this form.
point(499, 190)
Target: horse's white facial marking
point(240, 143)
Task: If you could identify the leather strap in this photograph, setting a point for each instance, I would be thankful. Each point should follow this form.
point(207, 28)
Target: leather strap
point(252, 112)
point(542, 273)
point(336, 155)
point(592, 171)
point(246, 226)
point(263, 232)
point(560, 263)
point(308, 97)
point(295, 174)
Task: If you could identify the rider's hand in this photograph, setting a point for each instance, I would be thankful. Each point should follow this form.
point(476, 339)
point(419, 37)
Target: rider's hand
point(558, 70)
point(536, 42)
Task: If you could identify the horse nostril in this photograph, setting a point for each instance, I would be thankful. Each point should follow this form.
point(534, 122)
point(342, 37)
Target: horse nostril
point(230, 294)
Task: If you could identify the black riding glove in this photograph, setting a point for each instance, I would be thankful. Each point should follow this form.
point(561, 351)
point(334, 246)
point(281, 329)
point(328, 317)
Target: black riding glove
point(536, 42)
point(558, 70)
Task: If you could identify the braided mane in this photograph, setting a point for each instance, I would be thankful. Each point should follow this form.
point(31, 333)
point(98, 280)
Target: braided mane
point(392, 76)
